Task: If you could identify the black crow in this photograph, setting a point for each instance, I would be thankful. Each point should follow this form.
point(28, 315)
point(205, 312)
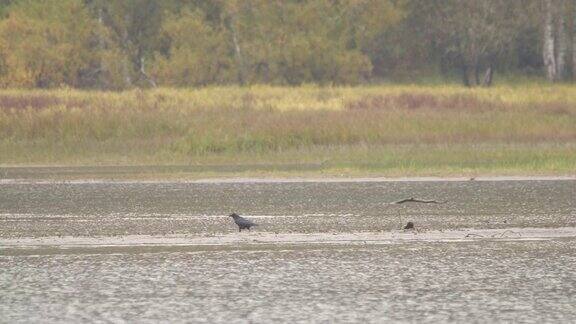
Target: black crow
point(242, 222)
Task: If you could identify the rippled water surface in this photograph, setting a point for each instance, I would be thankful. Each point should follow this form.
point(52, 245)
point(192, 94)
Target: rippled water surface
point(486, 281)
point(492, 280)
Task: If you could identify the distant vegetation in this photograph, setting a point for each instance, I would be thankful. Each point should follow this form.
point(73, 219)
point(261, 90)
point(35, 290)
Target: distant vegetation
point(323, 83)
point(123, 44)
point(390, 129)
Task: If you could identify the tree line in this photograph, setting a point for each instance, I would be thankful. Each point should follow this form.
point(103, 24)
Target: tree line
point(119, 44)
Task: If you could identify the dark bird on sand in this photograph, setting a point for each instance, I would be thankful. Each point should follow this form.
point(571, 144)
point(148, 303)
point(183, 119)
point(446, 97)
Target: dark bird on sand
point(242, 222)
point(409, 225)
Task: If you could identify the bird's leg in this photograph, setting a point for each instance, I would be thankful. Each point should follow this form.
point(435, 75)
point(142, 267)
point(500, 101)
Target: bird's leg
point(239, 229)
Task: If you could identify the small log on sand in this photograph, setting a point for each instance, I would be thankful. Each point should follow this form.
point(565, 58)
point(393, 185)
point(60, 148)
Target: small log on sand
point(412, 199)
point(474, 235)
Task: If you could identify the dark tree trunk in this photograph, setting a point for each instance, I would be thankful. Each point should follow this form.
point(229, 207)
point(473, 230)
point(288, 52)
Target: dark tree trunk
point(465, 77)
point(476, 73)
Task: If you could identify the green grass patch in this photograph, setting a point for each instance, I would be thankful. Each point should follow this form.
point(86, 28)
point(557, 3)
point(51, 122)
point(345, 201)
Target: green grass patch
point(376, 130)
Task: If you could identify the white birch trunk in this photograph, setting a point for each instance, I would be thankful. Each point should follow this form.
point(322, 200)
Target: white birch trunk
point(126, 70)
point(574, 39)
point(238, 53)
point(562, 44)
point(548, 48)
point(145, 75)
point(101, 48)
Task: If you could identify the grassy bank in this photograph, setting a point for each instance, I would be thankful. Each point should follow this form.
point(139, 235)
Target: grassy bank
point(381, 130)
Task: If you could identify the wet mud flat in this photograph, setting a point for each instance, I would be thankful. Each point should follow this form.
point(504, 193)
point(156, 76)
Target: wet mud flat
point(329, 251)
point(92, 209)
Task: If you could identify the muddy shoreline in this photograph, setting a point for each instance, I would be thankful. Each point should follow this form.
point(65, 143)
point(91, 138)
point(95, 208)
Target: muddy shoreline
point(267, 239)
point(249, 180)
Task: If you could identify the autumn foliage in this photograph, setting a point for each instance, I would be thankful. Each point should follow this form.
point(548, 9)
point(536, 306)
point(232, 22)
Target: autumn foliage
point(120, 44)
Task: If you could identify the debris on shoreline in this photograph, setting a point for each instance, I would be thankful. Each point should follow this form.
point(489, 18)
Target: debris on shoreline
point(504, 234)
point(412, 199)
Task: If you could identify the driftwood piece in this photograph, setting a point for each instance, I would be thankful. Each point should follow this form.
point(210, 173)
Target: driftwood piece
point(506, 234)
point(412, 199)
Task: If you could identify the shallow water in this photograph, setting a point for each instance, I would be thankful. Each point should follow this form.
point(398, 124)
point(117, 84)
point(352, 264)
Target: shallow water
point(462, 282)
point(475, 280)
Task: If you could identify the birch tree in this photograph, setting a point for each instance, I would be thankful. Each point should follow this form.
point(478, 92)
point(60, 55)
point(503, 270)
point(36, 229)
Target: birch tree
point(573, 13)
point(474, 33)
point(549, 57)
point(134, 26)
point(555, 43)
point(562, 42)
point(232, 11)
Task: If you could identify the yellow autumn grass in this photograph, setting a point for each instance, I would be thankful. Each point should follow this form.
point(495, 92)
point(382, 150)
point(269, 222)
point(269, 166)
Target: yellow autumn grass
point(385, 129)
